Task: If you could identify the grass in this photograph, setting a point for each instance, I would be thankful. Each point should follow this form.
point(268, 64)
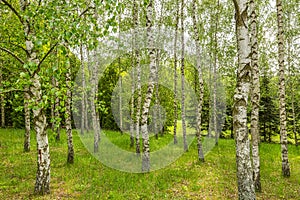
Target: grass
point(185, 178)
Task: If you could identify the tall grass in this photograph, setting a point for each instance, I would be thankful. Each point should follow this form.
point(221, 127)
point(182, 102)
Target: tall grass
point(185, 178)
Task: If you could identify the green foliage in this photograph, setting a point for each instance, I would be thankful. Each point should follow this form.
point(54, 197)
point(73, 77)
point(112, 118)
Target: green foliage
point(268, 113)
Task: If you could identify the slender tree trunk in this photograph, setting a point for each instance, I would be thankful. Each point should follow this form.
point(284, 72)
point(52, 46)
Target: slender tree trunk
point(53, 107)
point(185, 146)
point(2, 111)
point(255, 98)
point(70, 157)
point(294, 119)
point(132, 77)
point(132, 107)
point(157, 112)
point(149, 94)
point(94, 86)
point(120, 104)
point(265, 132)
point(120, 79)
point(2, 102)
point(215, 76)
point(201, 88)
point(243, 161)
point(138, 112)
point(139, 89)
point(175, 72)
point(57, 114)
point(292, 86)
point(283, 135)
point(27, 122)
point(83, 103)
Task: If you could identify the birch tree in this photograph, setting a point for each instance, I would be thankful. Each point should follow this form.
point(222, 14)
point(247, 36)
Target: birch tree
point(281, 52)
point(243, 161)
point(138, 71)
point(185, 146)
point(215, 74)
point(70, 157)
point(133, 61)
point(150, 88)
point(2, 103)
point(57, 103)
point(27, 122)
point(255, 98)
point(201, 87)
point(175, 72)
point(83, 95)
point(120, 71)
point(93, 101)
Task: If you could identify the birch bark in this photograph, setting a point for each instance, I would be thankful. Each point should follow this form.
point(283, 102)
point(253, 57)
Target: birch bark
point(283, 134)
point(255, 98)
point(175, 73)
point(243, 161)
point(70, 157)
point(200, 78)
point(185, 146)
point(149, 94)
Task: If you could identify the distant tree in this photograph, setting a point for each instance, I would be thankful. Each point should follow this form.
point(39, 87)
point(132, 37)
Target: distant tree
point(68, 119)
point(185, 146)
point(175, 72)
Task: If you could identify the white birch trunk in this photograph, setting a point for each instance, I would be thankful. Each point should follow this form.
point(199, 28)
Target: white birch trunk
point(68, 118)
point(139, 89)
point(283, 134)
point(132, 108)
point(27, 122)
point(93, 100)
point(149, 94)
point(200, 78)
point(215, 77)
point(42, 184)
point(243, 161)
point(156, 113)
point(255, 98)
point(57, 113)
point(185, 146)
point(83, 102)
point(120, 79)
point(53, 107)
point(2, 102)
point(175, 73)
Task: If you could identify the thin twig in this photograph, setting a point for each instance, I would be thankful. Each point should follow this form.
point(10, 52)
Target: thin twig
point(11, 53)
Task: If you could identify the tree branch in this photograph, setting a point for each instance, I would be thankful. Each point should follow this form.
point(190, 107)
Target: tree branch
point(88, 8)
point(11, 90)
point(17, 45)
point(14, 55)
point(45, 56)
point(13, 10)
point(236, 5)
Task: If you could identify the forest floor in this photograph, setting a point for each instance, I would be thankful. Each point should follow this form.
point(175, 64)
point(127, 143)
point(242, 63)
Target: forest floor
point(185, 178)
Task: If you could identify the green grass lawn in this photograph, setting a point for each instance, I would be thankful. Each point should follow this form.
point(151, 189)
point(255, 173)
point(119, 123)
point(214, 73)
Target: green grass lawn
point(88, 178)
